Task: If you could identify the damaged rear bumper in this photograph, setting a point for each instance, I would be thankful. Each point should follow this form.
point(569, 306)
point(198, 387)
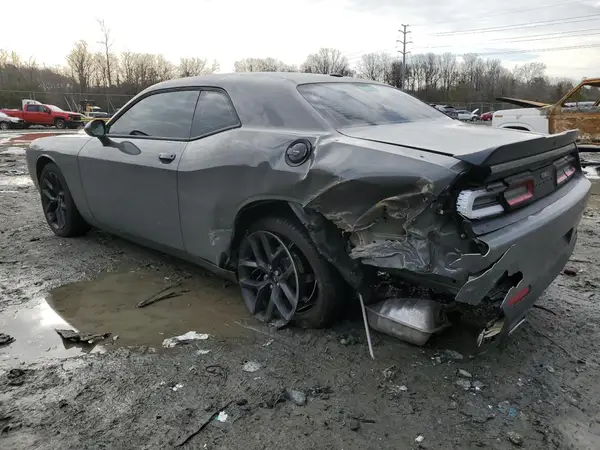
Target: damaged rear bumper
point(534, 249)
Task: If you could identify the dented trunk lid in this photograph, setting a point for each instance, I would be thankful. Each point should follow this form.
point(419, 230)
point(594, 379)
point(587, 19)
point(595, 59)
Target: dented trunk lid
point(474, 144)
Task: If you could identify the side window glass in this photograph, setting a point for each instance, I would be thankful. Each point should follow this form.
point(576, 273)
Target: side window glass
point(32, 108)
point(166, 115)
point(214, 112)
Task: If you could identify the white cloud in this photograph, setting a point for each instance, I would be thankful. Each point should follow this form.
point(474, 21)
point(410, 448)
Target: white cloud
point(234, 29)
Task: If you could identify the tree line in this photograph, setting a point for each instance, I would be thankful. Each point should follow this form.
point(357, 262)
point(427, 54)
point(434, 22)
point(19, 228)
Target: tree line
point(438, 78)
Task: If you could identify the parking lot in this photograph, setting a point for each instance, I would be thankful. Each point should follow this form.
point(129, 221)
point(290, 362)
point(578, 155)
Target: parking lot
point(249, 386)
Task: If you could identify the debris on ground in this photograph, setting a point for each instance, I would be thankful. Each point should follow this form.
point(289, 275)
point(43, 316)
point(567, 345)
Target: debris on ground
point(465, 384)
point(115, 337)
point(177, 387)
point(515, 438)
point(463, 373)
point(396, 390)
point(269, 342)
point(297, 397)
point(173, 290)
point(16, 377)
point(348, 340)
point(452, 355)
point(390, 373)
point(184, 339)
point(478, 385)
point(202, 352)
point(550, 369)
point(569, 271)
point(80, 337)
point(251, 366)
point(420, 438)
point(353, 424)
point(6, 339)
point(222, 417)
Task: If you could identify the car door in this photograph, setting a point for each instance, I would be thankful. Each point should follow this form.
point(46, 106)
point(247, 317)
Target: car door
point(35, 114)
point(130, 177)
point(202, 187)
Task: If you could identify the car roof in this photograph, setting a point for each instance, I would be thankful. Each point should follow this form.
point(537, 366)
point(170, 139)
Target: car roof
point(250, 78)
point(265, 99)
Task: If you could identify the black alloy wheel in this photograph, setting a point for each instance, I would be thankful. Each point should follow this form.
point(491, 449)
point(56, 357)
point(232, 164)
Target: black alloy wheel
point(53, 201)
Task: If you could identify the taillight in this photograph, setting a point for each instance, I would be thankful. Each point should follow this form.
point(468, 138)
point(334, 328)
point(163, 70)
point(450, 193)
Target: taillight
point(479, 203)
point(519, 193)
point(565, 169)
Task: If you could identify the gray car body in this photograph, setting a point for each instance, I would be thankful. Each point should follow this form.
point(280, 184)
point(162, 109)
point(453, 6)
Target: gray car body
point(364, 201)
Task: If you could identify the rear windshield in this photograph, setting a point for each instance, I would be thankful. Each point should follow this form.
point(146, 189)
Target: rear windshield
point(359, 104)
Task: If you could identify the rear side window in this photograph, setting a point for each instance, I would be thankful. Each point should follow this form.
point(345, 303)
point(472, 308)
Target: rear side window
point(360, 104)
point(213, 113)
point(165, 115)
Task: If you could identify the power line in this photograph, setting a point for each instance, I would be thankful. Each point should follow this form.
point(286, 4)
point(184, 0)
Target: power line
point(541, 23)
point(541, 50)
point(510, 11)
point(546, 34)
point(546, 37)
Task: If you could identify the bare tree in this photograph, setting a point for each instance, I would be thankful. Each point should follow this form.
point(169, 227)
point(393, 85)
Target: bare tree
point(190, 67)
point(327, 61)
point(374, 66)
point(80, 61)
point(448, 69)
point(107, 44)
point(262, 65)
point(530, 71)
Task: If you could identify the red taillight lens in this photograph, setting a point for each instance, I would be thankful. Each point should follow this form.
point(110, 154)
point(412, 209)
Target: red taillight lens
point(518, 296)
point(565, 173)
point(519, 193)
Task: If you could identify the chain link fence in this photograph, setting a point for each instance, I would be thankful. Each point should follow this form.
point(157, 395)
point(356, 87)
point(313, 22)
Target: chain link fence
point(69, 101)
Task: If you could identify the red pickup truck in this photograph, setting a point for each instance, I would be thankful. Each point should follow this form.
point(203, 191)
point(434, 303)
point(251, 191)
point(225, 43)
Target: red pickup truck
point(36, 113)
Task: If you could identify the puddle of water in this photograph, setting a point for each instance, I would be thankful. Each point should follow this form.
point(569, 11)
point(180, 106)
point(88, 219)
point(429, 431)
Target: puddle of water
point(108, 305)
point(35, 338)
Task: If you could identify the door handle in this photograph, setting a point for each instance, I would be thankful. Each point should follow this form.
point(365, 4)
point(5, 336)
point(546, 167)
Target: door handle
point(166, 157)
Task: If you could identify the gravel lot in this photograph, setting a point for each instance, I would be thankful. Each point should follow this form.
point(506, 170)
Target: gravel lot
point(541, 391)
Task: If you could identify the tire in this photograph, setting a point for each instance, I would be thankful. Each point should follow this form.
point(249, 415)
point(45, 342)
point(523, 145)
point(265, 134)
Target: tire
point(325, 299)
point(60, 124)
point(68, 222)
point(4, 126)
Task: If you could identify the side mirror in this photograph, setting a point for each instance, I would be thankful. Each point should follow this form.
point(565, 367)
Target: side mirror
point(48, 111)
point(95, 128)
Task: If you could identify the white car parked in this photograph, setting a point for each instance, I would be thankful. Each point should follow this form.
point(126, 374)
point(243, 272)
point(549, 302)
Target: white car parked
point(463, 114)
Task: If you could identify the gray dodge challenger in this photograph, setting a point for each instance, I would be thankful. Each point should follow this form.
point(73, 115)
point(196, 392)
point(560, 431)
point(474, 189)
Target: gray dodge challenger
point(311, 190)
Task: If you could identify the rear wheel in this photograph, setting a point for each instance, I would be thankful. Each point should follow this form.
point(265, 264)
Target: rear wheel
point(284, 278)
point(58, 205)
point(60, 124)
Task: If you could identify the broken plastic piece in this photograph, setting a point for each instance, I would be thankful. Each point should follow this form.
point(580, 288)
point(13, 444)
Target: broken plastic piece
point(364, 314)
point(81, 338)
point(184, 339)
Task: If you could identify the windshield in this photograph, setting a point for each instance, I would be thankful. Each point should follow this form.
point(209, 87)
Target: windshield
point(359, 104)
point(55, 108)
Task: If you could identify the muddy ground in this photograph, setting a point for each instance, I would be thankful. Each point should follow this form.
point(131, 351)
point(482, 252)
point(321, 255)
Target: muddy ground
point(128, 392)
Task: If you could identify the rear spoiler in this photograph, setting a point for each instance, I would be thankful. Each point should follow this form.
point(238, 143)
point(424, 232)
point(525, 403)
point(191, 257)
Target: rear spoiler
point(522, 103)
point(518, 150)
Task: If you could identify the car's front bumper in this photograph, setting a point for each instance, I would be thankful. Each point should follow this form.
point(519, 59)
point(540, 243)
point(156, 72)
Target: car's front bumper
point(536, 249)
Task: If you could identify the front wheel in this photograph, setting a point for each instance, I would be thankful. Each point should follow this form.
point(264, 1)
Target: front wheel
point(58, 205)
point(284, 278)
point(60, 124)
point(4, 126)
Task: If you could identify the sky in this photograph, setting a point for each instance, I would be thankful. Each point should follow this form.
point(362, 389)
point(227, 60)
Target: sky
point(229, 30)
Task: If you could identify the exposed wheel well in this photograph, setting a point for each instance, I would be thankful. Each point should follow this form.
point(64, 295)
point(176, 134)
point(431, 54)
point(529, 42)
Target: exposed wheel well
point(252, 212)
point(516, 128)
point(40, 164)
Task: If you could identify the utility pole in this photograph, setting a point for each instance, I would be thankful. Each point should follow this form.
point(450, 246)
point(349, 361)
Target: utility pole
point(404, 43)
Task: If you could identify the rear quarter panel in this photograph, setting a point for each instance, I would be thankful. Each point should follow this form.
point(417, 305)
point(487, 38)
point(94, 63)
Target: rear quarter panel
point(63, 151)
point(221, 174)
